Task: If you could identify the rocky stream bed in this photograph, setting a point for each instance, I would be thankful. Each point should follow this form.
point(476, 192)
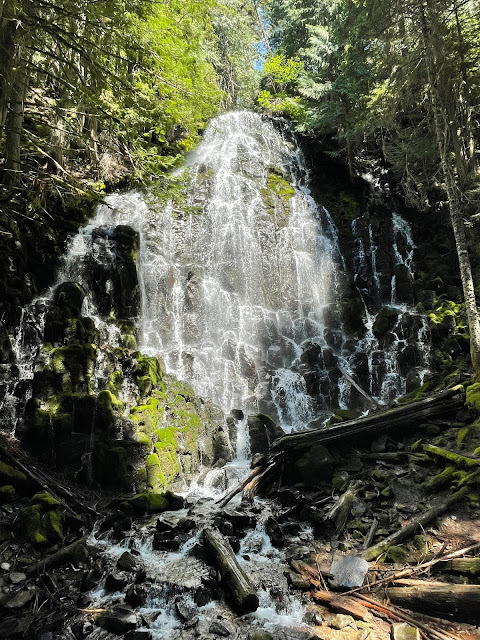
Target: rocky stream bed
point(74, 565)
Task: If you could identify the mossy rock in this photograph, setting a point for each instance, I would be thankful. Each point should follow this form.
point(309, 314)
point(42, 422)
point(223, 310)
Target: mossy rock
point(416, 394)
point(148, 416)
point(149, 502)
point(69, 296)
point(75, 364)
point(473, 396)
point(46, 499)
point(110, 467)
point(397, 555)
point(385, 321)
point(11, 476)
point(109, 409)
point(41, 522)
point(7, 493)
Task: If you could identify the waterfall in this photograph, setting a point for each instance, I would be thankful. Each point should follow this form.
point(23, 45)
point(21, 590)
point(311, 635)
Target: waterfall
point(236, 280)
point(241, 283)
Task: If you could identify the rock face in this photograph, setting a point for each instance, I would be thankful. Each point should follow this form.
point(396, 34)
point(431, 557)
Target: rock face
point(263, 431)
point(99, 409)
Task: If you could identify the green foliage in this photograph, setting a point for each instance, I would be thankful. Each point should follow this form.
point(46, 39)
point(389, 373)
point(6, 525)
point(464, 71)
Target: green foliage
point(114, 91)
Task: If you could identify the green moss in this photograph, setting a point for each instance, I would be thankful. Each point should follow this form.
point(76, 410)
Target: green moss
point(473, 396)
point(148, 416)
point(155, 475)
point(41, 522)
point(397, 555)
point(7, 493)
point(149, 502)
point(114, 383)
point(416, 394)
point(278, 184)
point(10, 475)
point(441, 479)
point(46, 499)
point(75, 363)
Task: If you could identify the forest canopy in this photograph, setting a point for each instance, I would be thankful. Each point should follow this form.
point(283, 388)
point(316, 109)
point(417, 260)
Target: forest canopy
point(98, 91)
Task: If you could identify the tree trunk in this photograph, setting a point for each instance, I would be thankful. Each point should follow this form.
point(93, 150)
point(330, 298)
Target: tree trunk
point(441, 131)
point(7, 55)
point(14, 127)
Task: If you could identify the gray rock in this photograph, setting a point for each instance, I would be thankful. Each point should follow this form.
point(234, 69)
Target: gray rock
point(185, 609)
point(348, 571)
point(127, 562)
point(16, 577)
point(115, 582)
point(118, 620)
point(16, 600)
point(219, 629)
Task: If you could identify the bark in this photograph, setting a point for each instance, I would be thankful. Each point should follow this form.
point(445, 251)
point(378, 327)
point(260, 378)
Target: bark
point(235, 581)
point(14, 127)
point(459, 600)
point(59, 557)
point(7, 54)
point(441, 131)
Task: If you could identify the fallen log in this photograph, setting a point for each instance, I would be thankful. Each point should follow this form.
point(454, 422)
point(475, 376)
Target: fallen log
point(459, 600)
point(465, 566)
point(236, 490)
point(235, 581)
point(62, 555)
point(456, 458)
point(419, 567)
point(342, 604)
point(348, 377)
point(441, 404)
point(419, 523)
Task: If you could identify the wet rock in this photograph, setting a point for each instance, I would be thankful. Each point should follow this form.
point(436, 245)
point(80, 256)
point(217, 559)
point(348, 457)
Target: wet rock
point(135, 596)
point(118, 620)
point(115, 582)
point(219, 629)
point(263, 431)
point(204, 595)
point(109, 520)
point(163, 542)
point(348, 571)
point(127, 562)
point(297, 582)
point(274, 532)
point(185, 609)
point(138, 634)
point(125, 524)
point(175, 501)
point(16, 577)
point(238, 519)
point(403, 631)
point(16, 600)
point(237, 414)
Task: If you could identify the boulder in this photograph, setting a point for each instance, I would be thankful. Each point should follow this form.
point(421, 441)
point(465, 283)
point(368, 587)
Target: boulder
point(263, 431)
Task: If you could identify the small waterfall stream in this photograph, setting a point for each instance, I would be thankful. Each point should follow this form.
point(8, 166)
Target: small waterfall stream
point(241, 287)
